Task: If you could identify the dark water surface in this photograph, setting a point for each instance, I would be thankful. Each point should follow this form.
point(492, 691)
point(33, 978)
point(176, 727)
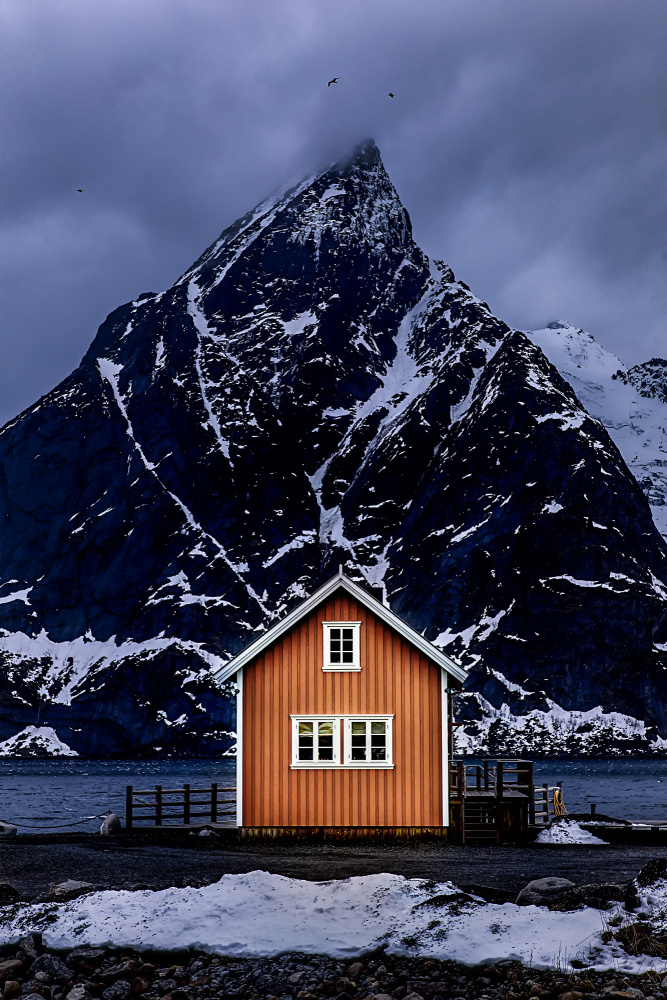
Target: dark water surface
point(625, 788)
point(52, 793)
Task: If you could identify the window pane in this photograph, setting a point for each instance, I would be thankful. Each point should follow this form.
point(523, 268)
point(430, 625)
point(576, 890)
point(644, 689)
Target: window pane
point(305, 749)
point(348, 645)
point(358, 741)
point(378, 740)
point(334, 645)
point(325, 740)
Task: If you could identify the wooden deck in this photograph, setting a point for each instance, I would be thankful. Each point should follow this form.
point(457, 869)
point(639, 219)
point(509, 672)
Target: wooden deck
point(497, 801)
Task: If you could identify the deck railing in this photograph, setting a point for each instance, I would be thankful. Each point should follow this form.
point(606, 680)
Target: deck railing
point(155, 805)
point(500, 779)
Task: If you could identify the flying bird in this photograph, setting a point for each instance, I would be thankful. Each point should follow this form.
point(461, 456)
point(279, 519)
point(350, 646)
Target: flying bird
point(335, 80)
point(80, 190)
point(391, 95)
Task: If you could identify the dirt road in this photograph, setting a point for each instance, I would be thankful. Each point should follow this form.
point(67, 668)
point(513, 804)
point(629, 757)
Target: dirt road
point(33, 866)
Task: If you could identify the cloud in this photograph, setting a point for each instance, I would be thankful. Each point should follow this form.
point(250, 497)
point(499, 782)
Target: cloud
point(526, 139)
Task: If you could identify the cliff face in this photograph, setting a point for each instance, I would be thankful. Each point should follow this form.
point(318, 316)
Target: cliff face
point(314, 391)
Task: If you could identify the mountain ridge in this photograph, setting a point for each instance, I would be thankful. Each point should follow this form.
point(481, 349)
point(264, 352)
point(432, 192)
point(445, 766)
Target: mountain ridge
point(315, 391)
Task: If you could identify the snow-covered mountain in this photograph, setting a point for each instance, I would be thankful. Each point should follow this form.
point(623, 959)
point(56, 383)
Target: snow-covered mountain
point(315, 391)
point(631, 403)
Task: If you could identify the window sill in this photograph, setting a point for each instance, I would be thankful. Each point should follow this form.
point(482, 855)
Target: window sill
point(309, 765)
point(358, 765)
point(342, 670)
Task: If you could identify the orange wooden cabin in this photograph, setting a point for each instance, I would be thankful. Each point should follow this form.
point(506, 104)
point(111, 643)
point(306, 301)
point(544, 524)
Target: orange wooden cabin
point(343, 722)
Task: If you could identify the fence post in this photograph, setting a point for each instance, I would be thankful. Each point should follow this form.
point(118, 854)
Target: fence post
point(546, 798)
point(461, 775)
point(214, 802)
point(486, 775)
point(128, 807)
point(531, 794)
point(158, 805)
point(499, 779)
point(186, 804)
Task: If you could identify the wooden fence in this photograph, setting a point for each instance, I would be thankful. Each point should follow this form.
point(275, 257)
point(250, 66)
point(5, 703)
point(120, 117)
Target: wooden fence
point(155, 805)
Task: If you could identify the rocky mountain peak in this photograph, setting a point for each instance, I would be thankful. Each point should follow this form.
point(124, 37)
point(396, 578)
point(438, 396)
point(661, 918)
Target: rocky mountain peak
point(649, 378)
point(314, 391)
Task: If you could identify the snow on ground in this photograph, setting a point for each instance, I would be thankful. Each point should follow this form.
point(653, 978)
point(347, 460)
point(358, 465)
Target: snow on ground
point(263, 914)
point(33, 741)
point(567, 832)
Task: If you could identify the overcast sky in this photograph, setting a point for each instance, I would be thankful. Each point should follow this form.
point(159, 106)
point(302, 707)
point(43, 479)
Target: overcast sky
point(527, 139)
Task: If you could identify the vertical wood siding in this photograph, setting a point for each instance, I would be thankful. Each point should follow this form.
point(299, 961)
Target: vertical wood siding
point(395, 678)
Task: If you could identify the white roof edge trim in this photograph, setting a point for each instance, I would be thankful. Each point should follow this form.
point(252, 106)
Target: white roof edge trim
point(378, 609)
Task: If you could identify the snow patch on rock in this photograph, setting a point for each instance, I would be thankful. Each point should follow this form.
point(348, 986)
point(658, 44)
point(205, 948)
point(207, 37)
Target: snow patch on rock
point(36, 741)
point(567, 832)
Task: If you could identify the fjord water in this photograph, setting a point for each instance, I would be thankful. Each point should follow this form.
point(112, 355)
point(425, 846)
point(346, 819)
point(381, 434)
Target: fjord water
point(37, 794)
point(621, 787)
point(51, 793)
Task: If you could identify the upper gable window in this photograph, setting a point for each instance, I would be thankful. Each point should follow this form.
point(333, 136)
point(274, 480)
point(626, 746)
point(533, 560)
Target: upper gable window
point(341, 646)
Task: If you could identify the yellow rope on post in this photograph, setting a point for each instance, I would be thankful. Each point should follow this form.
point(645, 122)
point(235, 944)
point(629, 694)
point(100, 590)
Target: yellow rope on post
point(559, 805)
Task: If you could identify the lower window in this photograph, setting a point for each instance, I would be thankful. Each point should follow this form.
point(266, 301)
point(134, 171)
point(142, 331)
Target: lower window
point(315, 741)
point(367, 741)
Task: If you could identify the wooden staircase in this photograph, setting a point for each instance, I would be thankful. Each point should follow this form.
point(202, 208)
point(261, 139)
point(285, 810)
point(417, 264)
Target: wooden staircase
point(479, 822)
point(493, 802)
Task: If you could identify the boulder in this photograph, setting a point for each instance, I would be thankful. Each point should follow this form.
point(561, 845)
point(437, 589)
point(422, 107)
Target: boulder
point(601, 897)
point(87, 956)
point(119, 991)
point(31, 945)
point(78, 992)
point(543, 891)
point(654, 871)
point(10, 968)
point(60, 892)
point(7, 829)
point(11, 989)
point(53, 967)
point(110, 825)
point(8, 893)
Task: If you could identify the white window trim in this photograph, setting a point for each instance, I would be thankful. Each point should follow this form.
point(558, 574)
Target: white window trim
point(355, 666)
point(348, 763)
point(318, 764)
point(337, 763)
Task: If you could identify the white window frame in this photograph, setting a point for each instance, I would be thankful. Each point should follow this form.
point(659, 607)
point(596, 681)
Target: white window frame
point(347, 741)
point(336, 762)
point(355, 666)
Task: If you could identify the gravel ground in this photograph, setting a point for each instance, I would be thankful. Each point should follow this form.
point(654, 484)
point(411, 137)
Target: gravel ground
point(88, 974)
point(32, 865)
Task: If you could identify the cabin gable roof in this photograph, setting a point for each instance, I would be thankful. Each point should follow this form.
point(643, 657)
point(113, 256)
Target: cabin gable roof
point(315, 599)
